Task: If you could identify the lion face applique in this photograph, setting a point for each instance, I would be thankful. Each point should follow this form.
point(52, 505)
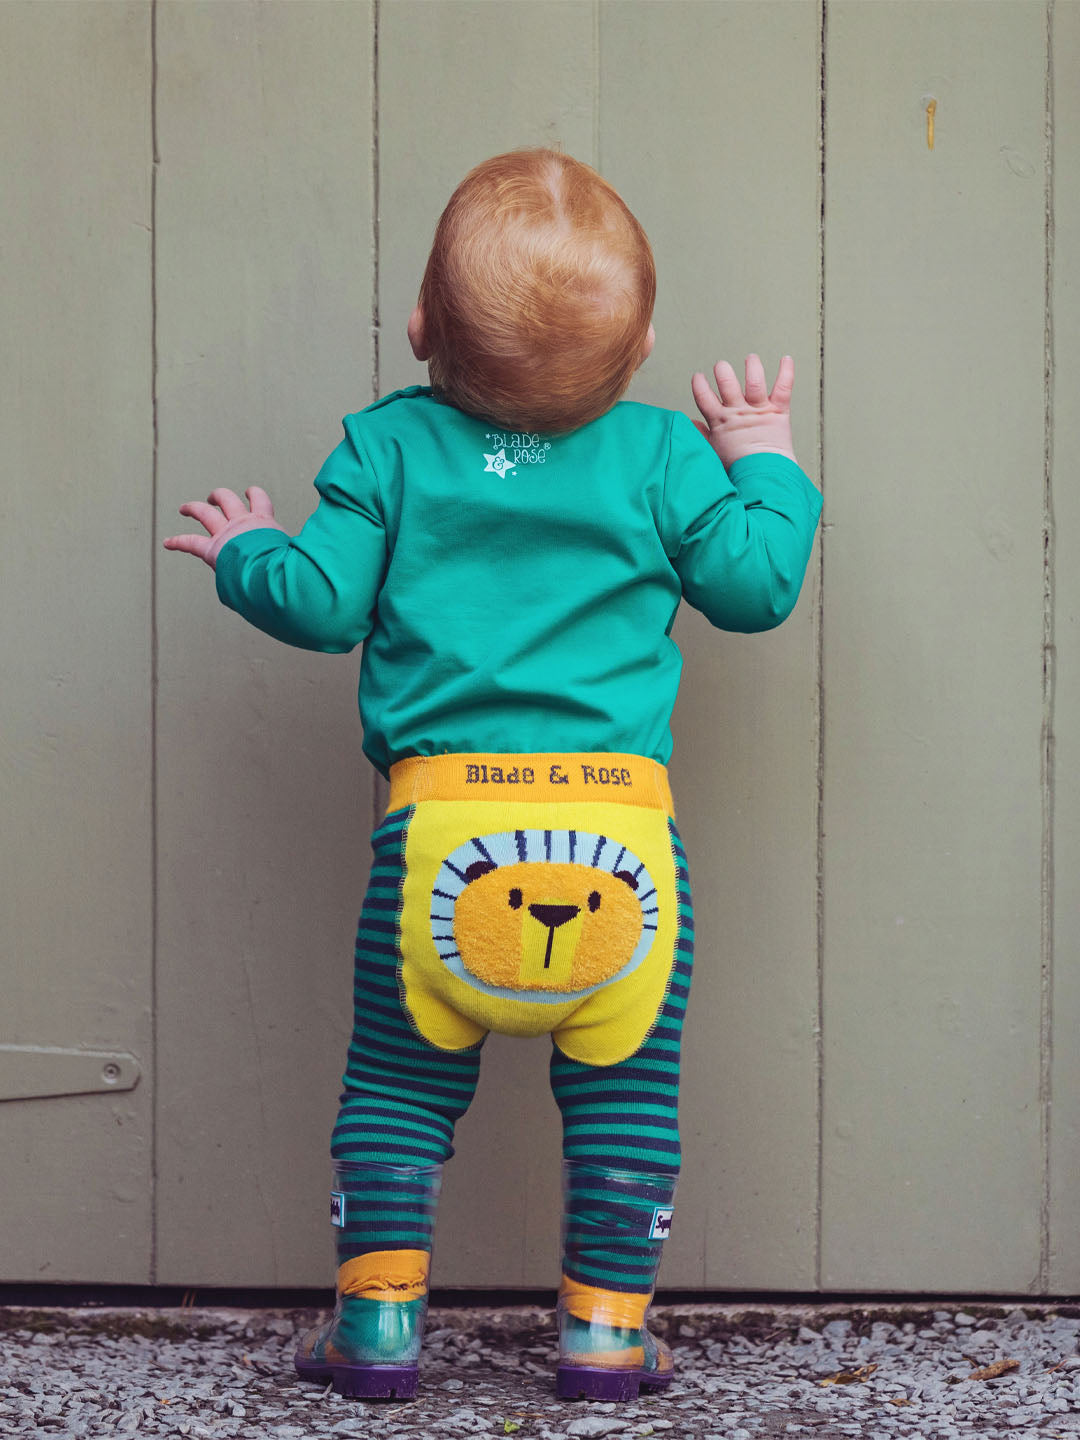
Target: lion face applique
point(538, 928)
point(552, 912)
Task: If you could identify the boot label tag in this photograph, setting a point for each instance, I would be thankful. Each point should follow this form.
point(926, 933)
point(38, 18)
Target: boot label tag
point(661, 1222)
point(337, 1208)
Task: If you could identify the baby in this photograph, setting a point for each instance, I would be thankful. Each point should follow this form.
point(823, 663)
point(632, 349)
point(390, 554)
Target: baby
point(510, 544)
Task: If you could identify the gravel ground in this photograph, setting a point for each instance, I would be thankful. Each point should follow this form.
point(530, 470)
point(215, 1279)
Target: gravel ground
point(741, 1371)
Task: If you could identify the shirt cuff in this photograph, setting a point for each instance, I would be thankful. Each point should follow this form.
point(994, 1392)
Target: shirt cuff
point(233, 556)
point(771, 465)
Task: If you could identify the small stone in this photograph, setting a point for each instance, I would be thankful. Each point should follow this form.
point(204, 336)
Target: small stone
point(593, 1425)
point(452, 1385)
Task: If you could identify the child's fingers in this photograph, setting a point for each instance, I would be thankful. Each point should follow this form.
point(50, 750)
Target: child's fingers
point(208, 516)
point(727, 382)
point(260, 501)
point(757, 392)
point(189, 544)
point(785, 383)
point(228, 502)
point(705, 398)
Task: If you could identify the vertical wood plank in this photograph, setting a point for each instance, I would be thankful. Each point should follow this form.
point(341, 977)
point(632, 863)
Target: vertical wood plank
point(699, 104)
point(933, 442)
point(460, 80)
point(1064, 1269)
point(76, 508)
point(264, 285)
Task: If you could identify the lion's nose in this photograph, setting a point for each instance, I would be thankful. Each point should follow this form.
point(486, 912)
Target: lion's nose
point(553, 915)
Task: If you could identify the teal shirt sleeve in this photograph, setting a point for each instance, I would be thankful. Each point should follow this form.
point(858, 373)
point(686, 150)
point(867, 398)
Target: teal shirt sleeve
point(317, 590)
point(740, 543)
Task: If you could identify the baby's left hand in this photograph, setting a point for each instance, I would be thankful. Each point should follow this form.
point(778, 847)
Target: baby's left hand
point(223, 515)
point(751, 424)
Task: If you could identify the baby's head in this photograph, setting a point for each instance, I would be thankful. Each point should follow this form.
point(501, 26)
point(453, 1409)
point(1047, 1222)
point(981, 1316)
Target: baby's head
point(536, 303)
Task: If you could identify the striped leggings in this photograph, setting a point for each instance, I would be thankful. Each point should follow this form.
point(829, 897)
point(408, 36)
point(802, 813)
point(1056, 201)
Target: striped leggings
point(402, 1095)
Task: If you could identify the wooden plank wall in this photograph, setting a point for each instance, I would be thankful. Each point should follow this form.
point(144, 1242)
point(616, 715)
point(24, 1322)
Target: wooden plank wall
point(1062, 1023)
point(217, 251)
point(933, 625)
point(265, 273)
point(76, 836)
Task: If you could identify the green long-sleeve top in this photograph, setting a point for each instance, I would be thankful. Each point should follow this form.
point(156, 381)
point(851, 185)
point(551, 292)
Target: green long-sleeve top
point(516, 592)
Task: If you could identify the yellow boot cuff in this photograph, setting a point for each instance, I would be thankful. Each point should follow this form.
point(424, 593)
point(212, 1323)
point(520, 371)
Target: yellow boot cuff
point(616, 1308)
point(385, 1275)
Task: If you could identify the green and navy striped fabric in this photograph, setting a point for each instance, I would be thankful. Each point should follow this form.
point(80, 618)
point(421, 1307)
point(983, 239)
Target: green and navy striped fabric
point(385, 1207)
point(403, 1096)
point(624, 1119)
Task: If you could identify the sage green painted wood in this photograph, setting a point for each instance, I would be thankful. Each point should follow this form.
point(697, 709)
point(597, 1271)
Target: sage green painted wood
point(1064, 1239)
point(699, 102)
point(705, 116)
point(460, 80)
point(264, 285)
point(933, 441)
point(76, 592)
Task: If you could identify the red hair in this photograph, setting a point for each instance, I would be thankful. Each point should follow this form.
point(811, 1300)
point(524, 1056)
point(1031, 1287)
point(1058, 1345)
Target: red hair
point(538, 293)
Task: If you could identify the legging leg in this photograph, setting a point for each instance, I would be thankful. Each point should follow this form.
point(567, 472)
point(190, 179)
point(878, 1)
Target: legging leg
point(402, 1096)
point(624, 1117)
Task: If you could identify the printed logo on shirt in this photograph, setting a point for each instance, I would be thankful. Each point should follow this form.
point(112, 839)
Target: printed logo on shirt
point(337, 1208)
point(514, 449)
point(661, 1223)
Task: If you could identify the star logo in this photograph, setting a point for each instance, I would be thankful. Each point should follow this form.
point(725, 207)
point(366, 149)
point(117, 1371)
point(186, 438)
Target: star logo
point(498, 464)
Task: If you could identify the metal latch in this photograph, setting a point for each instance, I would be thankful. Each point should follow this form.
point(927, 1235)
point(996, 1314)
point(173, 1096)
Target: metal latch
point(35, 1072)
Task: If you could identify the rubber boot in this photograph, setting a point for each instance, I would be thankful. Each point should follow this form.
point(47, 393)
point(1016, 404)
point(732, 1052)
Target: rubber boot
point(370, 1349)
point(613, 1220)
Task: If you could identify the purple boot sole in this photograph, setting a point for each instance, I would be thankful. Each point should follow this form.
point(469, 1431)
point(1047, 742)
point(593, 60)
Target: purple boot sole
point(361, 1382)
point(585, 1382)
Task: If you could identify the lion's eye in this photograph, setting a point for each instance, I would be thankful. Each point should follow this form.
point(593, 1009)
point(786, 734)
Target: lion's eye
point(515, 899)
point(594, 900)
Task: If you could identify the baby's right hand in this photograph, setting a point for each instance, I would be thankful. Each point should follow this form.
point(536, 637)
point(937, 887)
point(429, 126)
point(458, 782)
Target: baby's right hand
point(750, 424)
point(223, 515)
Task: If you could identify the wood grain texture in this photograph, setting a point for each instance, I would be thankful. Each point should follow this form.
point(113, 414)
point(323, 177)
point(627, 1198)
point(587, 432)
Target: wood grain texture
point(933, 443)
point(264, 285)
point(698, 102)
point(75, 703)
point(1064, 1238)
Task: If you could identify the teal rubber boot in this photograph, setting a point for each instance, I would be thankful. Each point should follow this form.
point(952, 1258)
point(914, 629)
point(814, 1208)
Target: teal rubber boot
point(614, 1226)
point(370, 1349)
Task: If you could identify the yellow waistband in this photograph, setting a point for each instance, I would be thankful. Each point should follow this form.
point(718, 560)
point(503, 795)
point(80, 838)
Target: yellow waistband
point(613, 779)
